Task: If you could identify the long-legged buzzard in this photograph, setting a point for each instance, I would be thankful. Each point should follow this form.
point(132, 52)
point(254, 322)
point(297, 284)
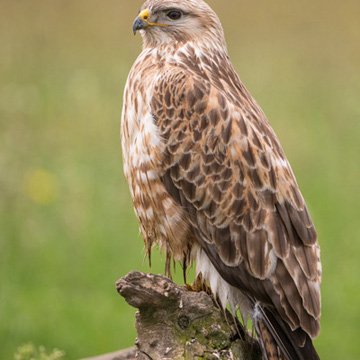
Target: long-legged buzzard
point(210, 181)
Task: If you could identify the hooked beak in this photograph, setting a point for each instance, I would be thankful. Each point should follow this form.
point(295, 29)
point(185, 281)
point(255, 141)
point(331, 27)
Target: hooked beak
point(139, 24)
point(142, 21)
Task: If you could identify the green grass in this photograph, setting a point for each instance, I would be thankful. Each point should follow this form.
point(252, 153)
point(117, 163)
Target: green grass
point(67, 228)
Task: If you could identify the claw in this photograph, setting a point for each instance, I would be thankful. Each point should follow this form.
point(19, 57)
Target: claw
point(198, 285)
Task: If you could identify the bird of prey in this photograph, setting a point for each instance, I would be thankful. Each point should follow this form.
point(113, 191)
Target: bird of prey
point(210, 182)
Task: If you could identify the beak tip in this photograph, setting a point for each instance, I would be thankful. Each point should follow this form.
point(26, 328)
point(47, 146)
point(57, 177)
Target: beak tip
point(138, 24)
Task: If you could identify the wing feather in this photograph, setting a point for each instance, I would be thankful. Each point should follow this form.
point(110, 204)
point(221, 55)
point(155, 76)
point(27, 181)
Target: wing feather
point(224, 165)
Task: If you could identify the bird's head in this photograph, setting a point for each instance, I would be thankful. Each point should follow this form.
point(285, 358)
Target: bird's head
point(178, 21)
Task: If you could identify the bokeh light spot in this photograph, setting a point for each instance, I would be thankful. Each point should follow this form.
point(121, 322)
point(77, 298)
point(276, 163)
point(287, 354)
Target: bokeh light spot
point(41, 186)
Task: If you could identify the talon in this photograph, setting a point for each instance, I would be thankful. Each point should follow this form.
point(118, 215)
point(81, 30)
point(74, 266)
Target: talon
point(198, 285)
point(190, 287)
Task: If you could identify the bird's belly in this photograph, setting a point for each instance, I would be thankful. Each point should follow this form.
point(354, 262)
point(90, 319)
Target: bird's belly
point(161, 219)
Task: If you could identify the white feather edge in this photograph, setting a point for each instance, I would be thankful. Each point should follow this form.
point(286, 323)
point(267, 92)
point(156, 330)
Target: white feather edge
point(219, 287)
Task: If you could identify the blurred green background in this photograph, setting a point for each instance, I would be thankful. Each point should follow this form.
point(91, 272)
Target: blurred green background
point(67, 228)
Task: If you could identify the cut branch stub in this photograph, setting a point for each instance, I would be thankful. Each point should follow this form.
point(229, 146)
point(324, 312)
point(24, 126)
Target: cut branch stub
point(175, 323)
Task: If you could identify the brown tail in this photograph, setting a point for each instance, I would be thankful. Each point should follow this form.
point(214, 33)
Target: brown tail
point(278, 341)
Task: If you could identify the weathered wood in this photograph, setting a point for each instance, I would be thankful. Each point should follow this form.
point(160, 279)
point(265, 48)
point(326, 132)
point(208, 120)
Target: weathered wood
point(126, 354)
point(175, 323)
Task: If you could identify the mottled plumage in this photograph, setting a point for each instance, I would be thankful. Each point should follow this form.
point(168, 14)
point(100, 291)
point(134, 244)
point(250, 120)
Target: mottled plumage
point(210, 181)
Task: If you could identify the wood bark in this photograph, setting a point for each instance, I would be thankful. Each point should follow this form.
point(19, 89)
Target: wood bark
point(174, 323)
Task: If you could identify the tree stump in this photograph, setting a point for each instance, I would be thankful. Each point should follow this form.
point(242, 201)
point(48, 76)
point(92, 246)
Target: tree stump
point(175, 323)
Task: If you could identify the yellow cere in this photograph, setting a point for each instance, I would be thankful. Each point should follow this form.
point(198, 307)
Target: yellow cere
point(145, 17)
point(144, 14)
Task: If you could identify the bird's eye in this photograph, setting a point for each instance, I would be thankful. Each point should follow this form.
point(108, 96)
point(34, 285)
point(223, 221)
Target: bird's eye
point(174, 15)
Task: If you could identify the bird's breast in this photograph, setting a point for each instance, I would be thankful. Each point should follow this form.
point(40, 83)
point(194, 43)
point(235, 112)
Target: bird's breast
point(161, 219)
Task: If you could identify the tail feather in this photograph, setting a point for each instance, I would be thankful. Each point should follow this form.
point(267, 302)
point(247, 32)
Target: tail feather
point(269, 347)
point(278, 341)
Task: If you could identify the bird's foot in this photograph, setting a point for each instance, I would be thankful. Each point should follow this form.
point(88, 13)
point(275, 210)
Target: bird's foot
point(198, 285)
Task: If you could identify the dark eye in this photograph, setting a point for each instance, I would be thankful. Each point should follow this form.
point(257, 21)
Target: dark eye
point(174, 15)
